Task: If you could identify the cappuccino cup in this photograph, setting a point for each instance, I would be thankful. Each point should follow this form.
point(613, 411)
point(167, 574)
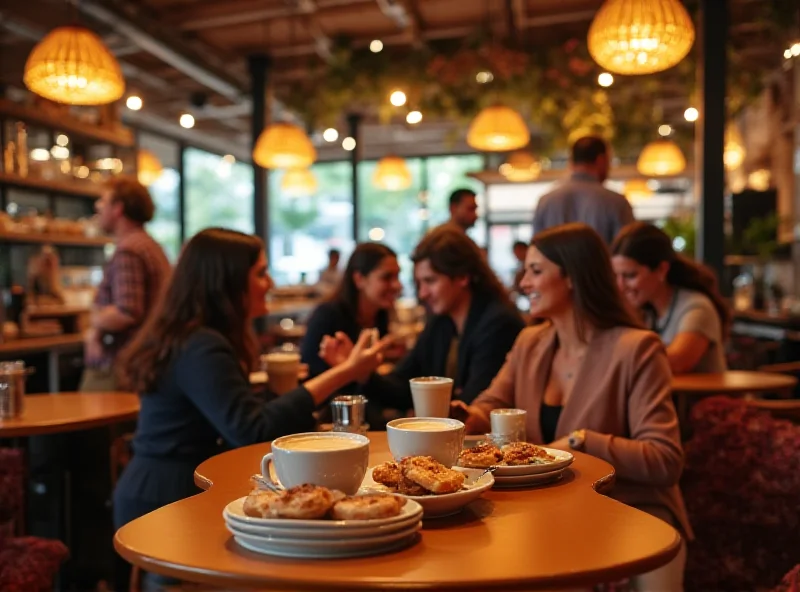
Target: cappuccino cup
point(335, 460)
point(431, 396)
point(283, 368)
point(439, 437)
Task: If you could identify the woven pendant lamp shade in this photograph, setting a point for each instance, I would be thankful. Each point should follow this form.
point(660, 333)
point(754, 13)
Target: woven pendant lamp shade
point(661, 158)
point(299, 183)
point(148, 167)
point(521, 166)
point(498, 129)
point(636, 189)
point(71, 65)
point(284, 146)
point(392, 174)
point(640, 36)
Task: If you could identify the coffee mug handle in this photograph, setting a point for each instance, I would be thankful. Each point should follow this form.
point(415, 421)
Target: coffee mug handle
point(265, 462)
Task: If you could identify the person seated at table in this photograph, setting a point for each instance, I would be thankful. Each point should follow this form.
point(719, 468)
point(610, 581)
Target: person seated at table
point(591, 379)
point(191, 364)
point(678, 298)
point(472, 324)
point(364, 299)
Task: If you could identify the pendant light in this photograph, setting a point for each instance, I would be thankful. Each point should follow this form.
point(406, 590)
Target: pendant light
point(640, 36)
point(661, 158)
point(71, 65)
point(148, 167)
point(734, 153)
point(521, 166)
point(299, 183)
point(498, 129)
point(284, 146)
point(392, 174)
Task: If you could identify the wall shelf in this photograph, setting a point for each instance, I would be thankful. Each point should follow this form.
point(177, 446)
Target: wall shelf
point(67, 240)
point(121, 136)
point(86, 189)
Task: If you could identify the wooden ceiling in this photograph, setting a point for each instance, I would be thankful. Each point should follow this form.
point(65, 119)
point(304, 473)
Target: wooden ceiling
point(191, 55)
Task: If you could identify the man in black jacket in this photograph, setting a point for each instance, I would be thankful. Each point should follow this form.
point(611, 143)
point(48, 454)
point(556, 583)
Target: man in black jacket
point(471, 329)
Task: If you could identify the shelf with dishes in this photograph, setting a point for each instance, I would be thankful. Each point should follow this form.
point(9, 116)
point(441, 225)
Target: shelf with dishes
point(66, 186)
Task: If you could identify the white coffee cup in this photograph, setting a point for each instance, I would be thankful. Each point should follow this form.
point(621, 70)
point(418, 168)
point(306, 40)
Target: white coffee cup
point(335, 460)
point(431, 396)
point(509, 423)
point(439, 437)
point(283, 368)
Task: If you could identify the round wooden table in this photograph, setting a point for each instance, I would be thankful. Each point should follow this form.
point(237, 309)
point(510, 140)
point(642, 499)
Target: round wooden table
point(69, 412)
point(564, 534)
point(732, 383)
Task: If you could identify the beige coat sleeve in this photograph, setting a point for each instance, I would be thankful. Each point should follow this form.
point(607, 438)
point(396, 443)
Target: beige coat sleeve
point(652, 454)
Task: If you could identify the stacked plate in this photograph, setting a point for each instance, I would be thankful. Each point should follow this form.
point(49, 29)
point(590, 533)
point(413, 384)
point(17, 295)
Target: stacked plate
point(320, 539)
point(528, 475)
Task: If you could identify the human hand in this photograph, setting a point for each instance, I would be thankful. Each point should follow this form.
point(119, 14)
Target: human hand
point(473, 417)
point(365, 356)
point(92, 346)
point(335, 350)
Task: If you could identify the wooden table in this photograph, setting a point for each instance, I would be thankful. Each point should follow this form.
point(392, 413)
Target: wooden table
point(731, 383)
point(560, 535)
point(54, 346)
point(69, 412)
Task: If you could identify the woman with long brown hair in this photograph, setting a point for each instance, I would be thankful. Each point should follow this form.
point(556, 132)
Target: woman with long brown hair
point(191, 362)
point(592, 380)
point(471, 328)
point(678, 297)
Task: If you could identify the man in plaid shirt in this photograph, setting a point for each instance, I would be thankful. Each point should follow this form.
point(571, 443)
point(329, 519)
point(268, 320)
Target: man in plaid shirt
point(132, 280)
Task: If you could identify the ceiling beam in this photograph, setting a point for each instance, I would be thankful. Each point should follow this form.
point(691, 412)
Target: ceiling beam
point(322, 43)
point(518, 16)
point(560, 19)
point(143, 33)
point(405, 18)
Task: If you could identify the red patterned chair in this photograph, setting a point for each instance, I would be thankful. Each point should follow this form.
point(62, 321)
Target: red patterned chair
point(741, 485)
point(27, 564)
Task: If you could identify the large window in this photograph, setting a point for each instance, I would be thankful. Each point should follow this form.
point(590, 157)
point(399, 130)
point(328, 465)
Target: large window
point(165, 227)
point(304, 228)
point(446, 174)
point(219, 192)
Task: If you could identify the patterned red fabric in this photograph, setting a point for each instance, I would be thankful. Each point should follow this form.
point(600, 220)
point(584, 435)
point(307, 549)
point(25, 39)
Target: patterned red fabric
point(790, 582)
point(11, 483)
point(741, 485)
point(29, 564)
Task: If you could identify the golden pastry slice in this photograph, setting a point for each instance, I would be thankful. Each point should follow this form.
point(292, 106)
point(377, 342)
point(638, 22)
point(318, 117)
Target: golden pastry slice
point(388, 474)
point(259, 504)
point(432, 475)
point(525, 453)
point(481, 456)
point(368, 507)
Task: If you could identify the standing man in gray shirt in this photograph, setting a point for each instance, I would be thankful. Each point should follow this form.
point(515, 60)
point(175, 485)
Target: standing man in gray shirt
point(582, 198)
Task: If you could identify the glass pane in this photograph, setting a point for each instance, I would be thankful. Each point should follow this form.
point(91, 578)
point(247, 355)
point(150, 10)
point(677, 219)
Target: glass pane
point(303, 229)
point(445, 175)
point(218, 192)
point(392, 217)
point(165, 227)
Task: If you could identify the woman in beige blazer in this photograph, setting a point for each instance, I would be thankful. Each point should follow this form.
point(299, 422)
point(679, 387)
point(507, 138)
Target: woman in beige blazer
point(592, 380)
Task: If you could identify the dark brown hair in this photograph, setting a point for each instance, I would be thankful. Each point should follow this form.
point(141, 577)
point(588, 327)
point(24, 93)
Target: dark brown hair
point(454, 254)
point(137, 205)
point(207, 289)
point(583, 257)
point(650, 246)
point(365, 258)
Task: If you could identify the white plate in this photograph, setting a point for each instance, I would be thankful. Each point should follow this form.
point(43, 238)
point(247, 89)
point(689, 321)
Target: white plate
point(525, 480)
point(563, 460)
point(281, 550)
point(435, 506)
point(322, 533)
point(316, 543)
point(234, 512)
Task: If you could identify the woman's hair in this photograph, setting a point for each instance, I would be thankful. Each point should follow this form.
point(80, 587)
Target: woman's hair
point(650, 246)
point(454, 254)
point(208, 288)
point(583, 257)
point(365, 258)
